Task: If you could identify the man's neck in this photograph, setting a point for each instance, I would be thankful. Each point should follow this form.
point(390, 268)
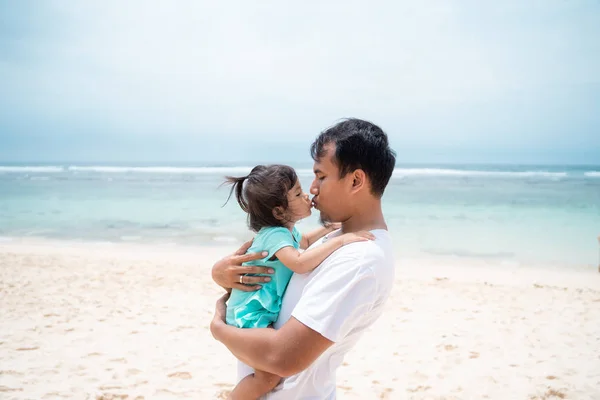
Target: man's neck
point(366, 218)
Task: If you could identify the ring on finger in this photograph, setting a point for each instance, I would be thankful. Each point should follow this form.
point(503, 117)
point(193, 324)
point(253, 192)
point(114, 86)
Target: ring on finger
point(242, 279)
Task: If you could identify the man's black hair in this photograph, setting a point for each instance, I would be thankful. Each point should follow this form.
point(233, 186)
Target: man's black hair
point(362, 145)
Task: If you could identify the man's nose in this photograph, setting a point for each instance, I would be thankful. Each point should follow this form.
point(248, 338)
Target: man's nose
point(313, 189)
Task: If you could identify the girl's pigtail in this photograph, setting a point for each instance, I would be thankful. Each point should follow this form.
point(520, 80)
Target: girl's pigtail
point(237, 185)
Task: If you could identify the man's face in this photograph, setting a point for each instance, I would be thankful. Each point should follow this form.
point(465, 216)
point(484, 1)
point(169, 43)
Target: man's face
point(331, 194)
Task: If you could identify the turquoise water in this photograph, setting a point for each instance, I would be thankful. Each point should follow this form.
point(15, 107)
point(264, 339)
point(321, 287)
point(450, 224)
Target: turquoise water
point(541, 214)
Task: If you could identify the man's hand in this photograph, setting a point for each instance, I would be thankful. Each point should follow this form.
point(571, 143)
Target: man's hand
point(220, 313)
point(230, 273)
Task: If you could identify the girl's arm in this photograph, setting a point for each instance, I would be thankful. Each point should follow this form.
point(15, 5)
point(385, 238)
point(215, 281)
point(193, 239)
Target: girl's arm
point(309, 238)
point(302, 263)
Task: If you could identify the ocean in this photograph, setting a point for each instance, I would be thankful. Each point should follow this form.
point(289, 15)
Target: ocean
point(503, 213)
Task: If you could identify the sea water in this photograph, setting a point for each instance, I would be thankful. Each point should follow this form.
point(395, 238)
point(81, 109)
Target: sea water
point(524, 214)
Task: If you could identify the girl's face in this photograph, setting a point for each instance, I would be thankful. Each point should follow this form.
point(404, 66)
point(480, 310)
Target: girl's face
point(299, 204)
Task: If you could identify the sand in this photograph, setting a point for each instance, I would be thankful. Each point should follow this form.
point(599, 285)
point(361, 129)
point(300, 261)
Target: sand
point(108, 321)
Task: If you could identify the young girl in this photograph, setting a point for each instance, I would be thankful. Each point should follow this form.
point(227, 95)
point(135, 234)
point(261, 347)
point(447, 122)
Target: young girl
point(273, 199)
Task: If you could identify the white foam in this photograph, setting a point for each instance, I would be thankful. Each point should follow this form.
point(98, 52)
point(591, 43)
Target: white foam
point(225, 239)
point(304, 172)
point(31, 169)
point(239, 170)
point(402, 172)
point(130, 238)
point(592, 174)
point(163, 170)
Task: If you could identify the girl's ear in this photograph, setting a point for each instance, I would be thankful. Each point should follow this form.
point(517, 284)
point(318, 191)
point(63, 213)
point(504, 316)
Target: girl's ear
point(279, 213)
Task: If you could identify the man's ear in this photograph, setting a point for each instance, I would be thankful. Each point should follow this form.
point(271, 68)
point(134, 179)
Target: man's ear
point(359, 180)
point(279, 213)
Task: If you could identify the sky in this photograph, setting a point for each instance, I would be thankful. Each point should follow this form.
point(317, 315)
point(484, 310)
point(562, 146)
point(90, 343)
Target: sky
point(450, 81)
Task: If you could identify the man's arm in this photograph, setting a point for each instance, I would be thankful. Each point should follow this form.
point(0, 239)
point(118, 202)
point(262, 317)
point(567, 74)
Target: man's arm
point(284, 352)
point(334, 300)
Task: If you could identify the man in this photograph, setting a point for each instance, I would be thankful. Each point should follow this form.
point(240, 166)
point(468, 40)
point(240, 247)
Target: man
point(324, 312)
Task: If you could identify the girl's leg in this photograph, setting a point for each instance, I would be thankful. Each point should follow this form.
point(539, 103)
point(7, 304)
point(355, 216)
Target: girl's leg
point(255, 385)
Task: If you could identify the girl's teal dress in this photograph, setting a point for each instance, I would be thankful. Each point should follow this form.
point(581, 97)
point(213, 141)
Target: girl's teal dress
point(260, 308)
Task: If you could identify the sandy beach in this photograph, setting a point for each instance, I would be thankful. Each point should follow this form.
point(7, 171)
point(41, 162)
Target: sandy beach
point(119, 321)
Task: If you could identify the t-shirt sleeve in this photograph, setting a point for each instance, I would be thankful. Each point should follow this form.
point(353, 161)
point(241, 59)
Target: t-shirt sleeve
point(334, 302)
point(277, 238)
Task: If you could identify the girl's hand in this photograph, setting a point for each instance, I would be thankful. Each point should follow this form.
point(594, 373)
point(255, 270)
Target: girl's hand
point(332, 226)
point(360, 236)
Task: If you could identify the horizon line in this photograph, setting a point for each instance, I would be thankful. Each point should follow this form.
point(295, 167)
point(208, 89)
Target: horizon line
point(248, 163)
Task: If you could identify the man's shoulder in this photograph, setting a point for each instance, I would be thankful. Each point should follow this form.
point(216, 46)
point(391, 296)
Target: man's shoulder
point(375, 255)
point(372, 261)
point(369, 251)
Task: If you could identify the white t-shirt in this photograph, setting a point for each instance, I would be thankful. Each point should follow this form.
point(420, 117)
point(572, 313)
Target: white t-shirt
point(340, 299)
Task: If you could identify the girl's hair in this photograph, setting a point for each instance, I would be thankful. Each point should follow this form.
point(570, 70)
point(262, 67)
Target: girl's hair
point(260, 192)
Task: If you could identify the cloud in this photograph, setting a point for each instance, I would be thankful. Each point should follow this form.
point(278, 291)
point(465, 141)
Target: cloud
point(194, 70)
